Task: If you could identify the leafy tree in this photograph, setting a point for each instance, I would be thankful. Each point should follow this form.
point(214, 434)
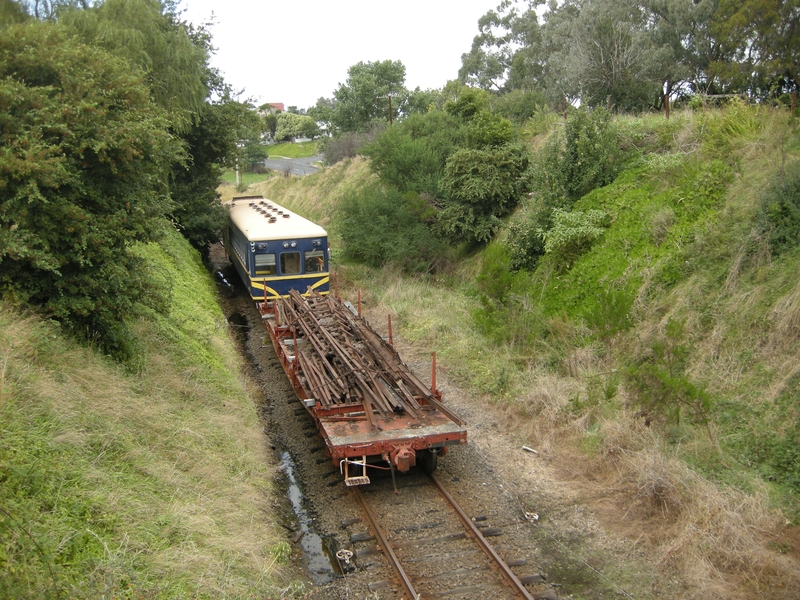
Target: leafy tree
point(411, 155)
point(764, 39)
point(291, 125)
point(198, 211)
point(322, 112)
point(271, 124)
point(171, 55)
point(366, 95)
point(504, 53)
point(479, 188)
point(12, 12)
point(609, 60)
point(421, 101)
point(683, 44)
point(83, 171)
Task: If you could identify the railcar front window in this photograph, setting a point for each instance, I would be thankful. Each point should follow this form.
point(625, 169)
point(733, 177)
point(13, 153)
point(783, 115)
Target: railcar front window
point(290, 263)
point(265, 264)
point(314, 261)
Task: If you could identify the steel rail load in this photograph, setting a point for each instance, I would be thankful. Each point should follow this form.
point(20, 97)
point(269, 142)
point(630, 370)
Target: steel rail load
point(371, 410)
point(275, 250)
point(369, 407)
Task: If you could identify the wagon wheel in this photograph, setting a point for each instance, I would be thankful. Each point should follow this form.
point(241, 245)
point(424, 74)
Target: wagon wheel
point(429, 459)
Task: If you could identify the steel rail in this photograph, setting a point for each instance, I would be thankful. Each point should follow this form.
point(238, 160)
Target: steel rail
point(384, 542)
point(485, 546)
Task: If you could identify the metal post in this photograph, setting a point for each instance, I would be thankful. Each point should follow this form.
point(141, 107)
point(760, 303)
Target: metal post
point(359, 303)
point(335, 287)
point(391, 343)
point(433, 375)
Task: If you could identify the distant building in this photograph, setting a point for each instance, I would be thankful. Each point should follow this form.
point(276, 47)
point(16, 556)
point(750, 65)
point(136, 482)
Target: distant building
point(271, 108)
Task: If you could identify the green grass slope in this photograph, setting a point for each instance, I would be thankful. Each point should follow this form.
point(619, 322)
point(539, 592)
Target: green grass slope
point(120, 485)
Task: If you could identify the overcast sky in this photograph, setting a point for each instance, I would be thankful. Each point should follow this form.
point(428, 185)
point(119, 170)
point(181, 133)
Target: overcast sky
point(295, 52)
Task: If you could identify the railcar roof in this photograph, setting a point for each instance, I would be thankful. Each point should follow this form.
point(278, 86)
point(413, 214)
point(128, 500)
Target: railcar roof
point(251, 214)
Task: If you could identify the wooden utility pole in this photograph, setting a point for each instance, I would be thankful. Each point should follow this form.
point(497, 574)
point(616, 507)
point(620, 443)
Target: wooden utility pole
point(389, 96)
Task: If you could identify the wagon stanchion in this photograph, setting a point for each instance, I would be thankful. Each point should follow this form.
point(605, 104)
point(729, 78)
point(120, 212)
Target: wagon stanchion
point(335, 287)
point(391, 343)
point(434, 391)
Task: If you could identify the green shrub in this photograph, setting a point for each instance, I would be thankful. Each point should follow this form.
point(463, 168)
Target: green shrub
point(573, 233)
point(347, 145)
point(586, 156)
point(381, 227)
point(411, 155)
point(86, 158)
point(658, 382)
point(480, 187)
point(489, 130)
point(507, 314)
point(525, 239)
point(518, 106)
point(610, 313)
point(779, 215)
point(772, 441)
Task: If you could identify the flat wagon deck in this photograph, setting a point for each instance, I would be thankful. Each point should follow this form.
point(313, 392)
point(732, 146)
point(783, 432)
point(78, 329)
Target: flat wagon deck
point(371, 410)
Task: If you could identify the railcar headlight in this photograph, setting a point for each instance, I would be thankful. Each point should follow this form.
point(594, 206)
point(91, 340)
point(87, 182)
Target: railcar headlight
point(285, 244)
point(261, 246)
point(294, 244)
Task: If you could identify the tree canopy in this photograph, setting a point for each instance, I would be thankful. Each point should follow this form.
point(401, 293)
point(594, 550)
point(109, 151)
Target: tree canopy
point(85, 159)
point(107, 135)
point(624, 54)
point(366, 94)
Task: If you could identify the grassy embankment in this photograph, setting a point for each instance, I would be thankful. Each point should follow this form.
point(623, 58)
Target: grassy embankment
point(679, 306)
point(293, 150)
point(135, 485)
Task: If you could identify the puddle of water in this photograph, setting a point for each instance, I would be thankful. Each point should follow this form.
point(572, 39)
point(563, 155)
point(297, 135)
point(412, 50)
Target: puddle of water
point(318, 553)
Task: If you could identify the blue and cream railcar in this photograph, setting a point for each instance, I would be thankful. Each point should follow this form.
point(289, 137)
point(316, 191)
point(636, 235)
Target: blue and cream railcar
point(276, 250)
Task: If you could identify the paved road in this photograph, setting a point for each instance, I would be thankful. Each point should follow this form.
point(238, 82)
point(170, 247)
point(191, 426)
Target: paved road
point(295, 166)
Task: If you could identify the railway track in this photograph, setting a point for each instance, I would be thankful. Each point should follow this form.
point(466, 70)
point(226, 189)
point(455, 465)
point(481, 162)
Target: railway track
point(431, 548)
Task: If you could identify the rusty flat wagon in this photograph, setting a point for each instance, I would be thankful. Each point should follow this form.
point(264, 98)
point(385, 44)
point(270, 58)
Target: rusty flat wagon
point(371, 410)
